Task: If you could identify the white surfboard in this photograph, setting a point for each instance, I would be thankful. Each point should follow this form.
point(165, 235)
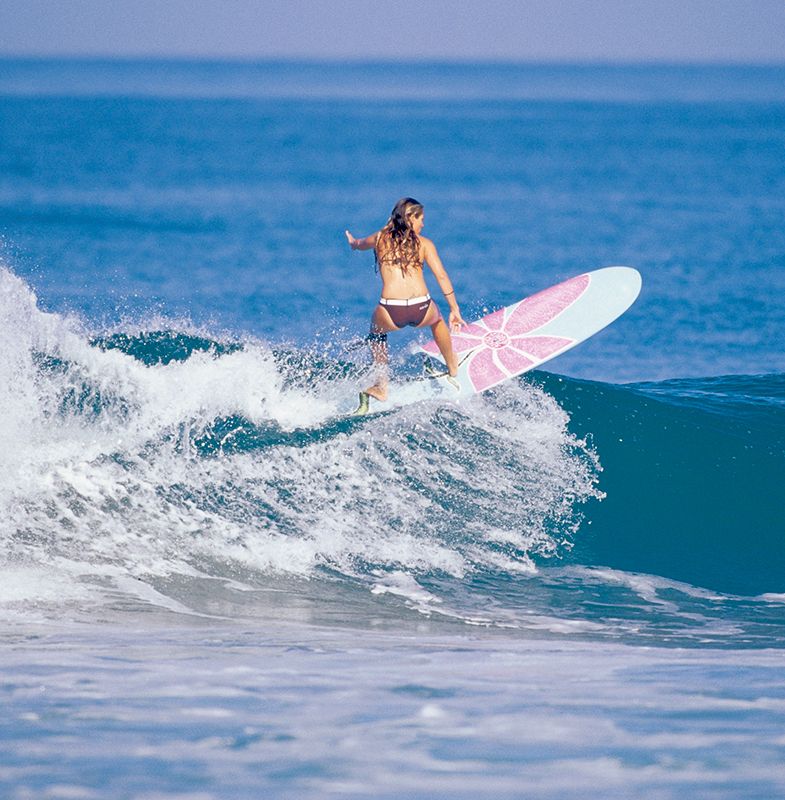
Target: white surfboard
point(522, 336)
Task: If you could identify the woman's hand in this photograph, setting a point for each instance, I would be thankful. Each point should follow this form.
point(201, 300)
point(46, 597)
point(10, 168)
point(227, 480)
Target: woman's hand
point(368, 243)
point(456, 321)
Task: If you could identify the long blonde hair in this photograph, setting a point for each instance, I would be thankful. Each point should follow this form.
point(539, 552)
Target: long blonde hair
point(401, 246)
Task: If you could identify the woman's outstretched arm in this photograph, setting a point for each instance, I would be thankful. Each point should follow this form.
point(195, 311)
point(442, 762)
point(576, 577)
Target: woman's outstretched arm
point(368, 243)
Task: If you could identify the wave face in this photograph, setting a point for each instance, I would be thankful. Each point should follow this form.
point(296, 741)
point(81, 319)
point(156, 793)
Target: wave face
point(693, 476)
point(163, 469)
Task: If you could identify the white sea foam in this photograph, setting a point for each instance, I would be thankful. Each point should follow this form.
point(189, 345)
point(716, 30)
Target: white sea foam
point(404, 585)
point(103, 472)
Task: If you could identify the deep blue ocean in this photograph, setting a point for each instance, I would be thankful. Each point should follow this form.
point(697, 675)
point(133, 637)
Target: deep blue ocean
point(214, 587)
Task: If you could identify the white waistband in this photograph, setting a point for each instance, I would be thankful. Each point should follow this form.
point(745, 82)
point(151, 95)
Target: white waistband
point(412, 301)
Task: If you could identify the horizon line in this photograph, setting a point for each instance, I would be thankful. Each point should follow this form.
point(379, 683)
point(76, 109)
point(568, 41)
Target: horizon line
point(383, 61)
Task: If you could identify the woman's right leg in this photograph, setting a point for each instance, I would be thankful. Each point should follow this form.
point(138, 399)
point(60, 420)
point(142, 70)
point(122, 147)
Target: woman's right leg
point(381, 325)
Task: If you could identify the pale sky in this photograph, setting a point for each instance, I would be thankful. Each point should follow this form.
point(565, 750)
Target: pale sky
point(747, 31)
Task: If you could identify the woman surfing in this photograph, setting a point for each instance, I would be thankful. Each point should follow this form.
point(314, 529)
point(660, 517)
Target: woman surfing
point(400, 252)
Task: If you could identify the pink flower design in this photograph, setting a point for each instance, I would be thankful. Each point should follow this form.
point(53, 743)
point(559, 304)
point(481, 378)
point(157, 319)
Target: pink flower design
point(501, 342)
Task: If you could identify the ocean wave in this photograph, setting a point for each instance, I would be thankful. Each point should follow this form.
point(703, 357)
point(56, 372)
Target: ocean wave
point(169, 463)
point(163, 453)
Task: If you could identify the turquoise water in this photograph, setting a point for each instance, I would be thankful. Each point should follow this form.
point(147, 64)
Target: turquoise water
point(214, 587)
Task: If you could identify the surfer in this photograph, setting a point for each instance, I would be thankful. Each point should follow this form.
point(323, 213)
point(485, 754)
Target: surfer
point(399, 253)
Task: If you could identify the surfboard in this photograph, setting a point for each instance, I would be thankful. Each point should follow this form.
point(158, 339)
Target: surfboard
point(519, 337)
